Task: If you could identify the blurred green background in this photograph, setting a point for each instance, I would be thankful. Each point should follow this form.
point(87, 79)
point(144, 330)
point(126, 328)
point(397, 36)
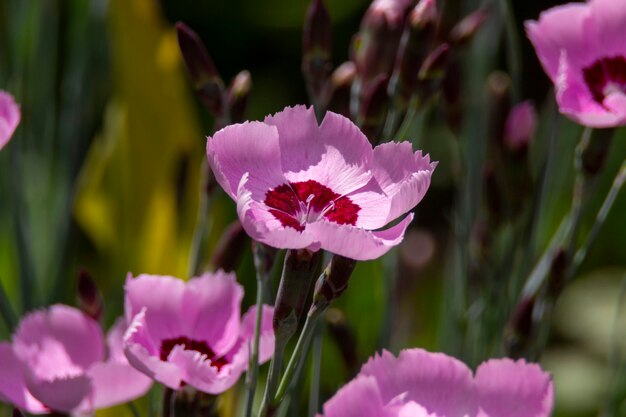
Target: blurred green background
point(103, 173)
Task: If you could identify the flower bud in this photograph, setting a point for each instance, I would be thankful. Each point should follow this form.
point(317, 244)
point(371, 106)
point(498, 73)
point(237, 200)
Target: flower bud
point(89, 297)
point(202, 71)
point(316, 47)
point(595, 153)
point(435, 64)
point(519, 330)
point(373, 109)
point(415, 43)
point(465, 30)
point(230, 247)
point(520, 127)
point(238, 93)
point(334, 281)
point(337, 92)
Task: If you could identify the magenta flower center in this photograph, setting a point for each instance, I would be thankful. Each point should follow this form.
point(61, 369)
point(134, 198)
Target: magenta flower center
point(606, 76)
point(295, 204)
point(189, 344)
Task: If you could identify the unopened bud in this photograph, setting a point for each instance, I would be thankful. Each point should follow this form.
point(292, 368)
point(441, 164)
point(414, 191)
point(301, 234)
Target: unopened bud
point(264, 257)
point(558, 271)
point(435, 64)
point(316, 47)
point(89, 297)
point(230, 247)
point(238, 93)
point(373, 109)
point(465, 30)
point(202, 71)
point(595, 153)
point(415, 43)
point(520, 127)
point(334, 281)
point(337, 92)
point(519, 330)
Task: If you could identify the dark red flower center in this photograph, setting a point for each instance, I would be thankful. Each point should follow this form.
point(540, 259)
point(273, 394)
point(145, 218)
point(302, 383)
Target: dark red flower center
point(189, 344)
point(296, 203)
point(605, 76)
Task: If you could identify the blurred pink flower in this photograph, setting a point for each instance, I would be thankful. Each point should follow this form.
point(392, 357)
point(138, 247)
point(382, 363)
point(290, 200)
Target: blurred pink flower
point(300, 185)
point(9, 117)
point(520, 126)
point(582, 49)
point(57, 363)
point(422, 384)
point(192, 332)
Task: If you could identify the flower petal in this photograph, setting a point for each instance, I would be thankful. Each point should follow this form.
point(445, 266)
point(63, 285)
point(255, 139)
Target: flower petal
point(441, 384)
point(162, 296)
point(356, 243)
point(413, 409)
point(250, 147)
point(336, 153)
point(403, 175)
point(116, 383)
point(266, 341)
point(63, 394)
point(561, 28)
point(360, 397)
point(59, 341)
point(509, 388)
point(609, 17)
point(9, 117)
point(115, 340)
point(12, 386)
point(212, 309)
point(143, 354)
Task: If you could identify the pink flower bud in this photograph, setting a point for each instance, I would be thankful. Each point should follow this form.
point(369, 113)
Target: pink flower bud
point(520, 126)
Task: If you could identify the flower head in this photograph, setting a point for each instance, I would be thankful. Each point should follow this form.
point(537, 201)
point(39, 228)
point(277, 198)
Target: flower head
point(520, 126)
point(57, 363)
point(9, 117)
point(582, 50)
point(191, 332)
point(422, 384)
point(301, 185)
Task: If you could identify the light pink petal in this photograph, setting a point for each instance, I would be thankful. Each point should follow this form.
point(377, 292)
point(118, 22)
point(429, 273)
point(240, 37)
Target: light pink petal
point(262, 226)
point(509, 388)
point(575, 99)
point(115, 340)
point(12, 386)
point(239, 356)
point(60, 394)
point(403, 175)
point(356, 243)
point(413, 409)
point(616, 103)
point(441, 384)
point(198, 371)
point(116, 382)
point(562, 28)
point(143, 354)
point(59, 341)
point(162, 296)
point(374, 206)
point(252, 148)
point(336, 153)
point(212, 310)
point(9, 117)
point(360, 397)
point(609, 17)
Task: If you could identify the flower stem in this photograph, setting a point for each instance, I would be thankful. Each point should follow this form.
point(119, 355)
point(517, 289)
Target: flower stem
point(168, 398)
point(253, 366)
point(580, 255)
point(316, 369)
point(198, 245)
point(514, 55)
point(6, 310)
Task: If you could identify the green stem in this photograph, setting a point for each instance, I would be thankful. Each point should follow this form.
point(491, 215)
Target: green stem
point(253, 366)
point(8, 314)
point(581, 186)
point(581, 254)
point(198, 245)
point(299, 353)
point(316, 369)
point(513, 50)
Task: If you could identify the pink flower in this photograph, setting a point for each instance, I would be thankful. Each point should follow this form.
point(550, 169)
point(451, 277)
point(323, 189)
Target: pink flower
point(300, 185)
point(520, 126)
point(57, 362)
point(582, 49)
point(422, 384)
point(9, 117)
point(191, 332)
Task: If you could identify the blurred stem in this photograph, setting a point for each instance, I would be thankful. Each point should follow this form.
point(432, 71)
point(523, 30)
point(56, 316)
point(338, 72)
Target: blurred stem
point(133, 409)
point(198, 246)
point(168, 398)
point(513, 50)
point(8, 314)
point(316, 368)
point(252, 375)
point(580, 255)
point(299, 353)
point(581, 187)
